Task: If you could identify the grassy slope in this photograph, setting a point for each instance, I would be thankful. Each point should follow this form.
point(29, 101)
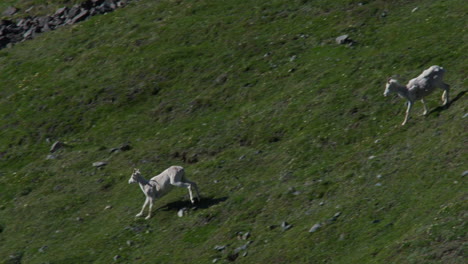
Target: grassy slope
point(295, 110)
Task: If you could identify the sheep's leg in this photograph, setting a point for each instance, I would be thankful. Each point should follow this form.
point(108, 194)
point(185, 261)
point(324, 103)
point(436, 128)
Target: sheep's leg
point(185, 185)
point(410, 104)
point(425, 107)
point(143, 208)
point(445, 95)
point(150, 208)
point(195, 186)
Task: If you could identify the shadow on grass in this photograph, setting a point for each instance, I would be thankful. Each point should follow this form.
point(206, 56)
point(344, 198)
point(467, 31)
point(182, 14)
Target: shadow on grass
point(204, 203)
point(444, 107)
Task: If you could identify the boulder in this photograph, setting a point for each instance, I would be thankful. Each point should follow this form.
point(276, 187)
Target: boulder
point(11, 10)
point(80, 17)
point(99, 164)
point(344, 39)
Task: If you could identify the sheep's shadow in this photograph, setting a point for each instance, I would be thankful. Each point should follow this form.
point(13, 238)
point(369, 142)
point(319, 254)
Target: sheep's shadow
point(204, 203)
point(445, 107)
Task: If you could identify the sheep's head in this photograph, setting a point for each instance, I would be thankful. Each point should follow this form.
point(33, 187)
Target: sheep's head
point(391, 86)
point(133, 179)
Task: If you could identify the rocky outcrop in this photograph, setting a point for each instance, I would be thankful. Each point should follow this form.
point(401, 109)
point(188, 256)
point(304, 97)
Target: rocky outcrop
point(28, 27)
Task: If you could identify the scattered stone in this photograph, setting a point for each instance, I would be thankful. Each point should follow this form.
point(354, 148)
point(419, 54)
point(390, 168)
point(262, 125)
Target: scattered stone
point(124, 147)
point(116, 257)
point(239, 249)
point(465, 115)
point(344, 40)
point(129, 243)
point(464, 173)
point(56, 146)
point(43, 249)
point(379, 176)
point(215, 260)
point(182, 212)
point(372, 157)
point(322, 203)
point(293, 191)
point(80, 17)
point(335, 216)
point(285, 226)
point(79, 219)
point(108, 207)
point(342, 237)
point(221, 79)
point(378, 184)
point(11, 10)
point(245, 236)
point(414, 9)
point(315, 227)
point(51, 157)
point(220, 248)
point(99, 164)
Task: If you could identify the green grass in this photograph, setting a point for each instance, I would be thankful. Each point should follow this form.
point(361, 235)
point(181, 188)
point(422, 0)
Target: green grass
point(256, 100)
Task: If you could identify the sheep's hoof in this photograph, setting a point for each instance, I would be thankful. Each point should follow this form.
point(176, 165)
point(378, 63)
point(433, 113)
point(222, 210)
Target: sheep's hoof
point(138, 215)
point(148, 217)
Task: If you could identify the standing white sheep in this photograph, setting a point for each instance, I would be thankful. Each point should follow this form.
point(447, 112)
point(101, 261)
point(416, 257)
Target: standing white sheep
point(161, 184)
point(420, 87)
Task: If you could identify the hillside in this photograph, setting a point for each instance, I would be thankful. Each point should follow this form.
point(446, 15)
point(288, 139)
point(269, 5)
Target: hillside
point(286, 132)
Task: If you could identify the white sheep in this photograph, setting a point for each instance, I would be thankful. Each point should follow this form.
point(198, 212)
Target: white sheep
point(420, 87)
point(161, 184)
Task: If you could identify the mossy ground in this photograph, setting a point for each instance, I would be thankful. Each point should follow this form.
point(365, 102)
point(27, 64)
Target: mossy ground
point(273, 119)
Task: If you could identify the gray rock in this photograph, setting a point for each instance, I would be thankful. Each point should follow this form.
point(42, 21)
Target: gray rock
point(61, 11)
point(75, 10)
point(99, 164)
point(315, 227)
point(343, 39)
point(117, 257)
point(241, 248)
point(182, 212)
point(51, 157)
point(245, 236)
point(465, 173)
point(129, 243)
point(43, 249)
point(221, 79)
point(80, 17)
point(56, 146)
point(11, 10)
point(285, 226)
point(220, 248)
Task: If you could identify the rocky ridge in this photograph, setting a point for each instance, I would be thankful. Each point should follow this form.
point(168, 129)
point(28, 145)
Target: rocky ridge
point(29, 27)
